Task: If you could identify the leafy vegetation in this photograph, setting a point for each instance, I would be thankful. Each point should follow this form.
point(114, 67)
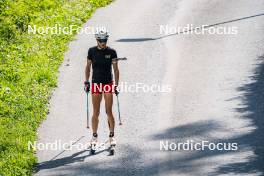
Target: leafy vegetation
point(28, 71)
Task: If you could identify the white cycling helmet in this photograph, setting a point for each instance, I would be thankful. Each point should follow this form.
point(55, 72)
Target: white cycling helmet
point(101, 34)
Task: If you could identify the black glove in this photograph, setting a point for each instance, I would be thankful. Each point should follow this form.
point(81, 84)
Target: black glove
point(87, 86)
point(116, 90)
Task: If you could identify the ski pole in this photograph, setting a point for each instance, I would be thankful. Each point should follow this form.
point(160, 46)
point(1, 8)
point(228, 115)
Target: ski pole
point(118, 108)
point(87, 108)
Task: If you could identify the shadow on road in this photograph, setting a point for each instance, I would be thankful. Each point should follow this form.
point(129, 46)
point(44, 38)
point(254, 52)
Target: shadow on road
point(253, 101)
point(181, 32)
point(131, 163)
point(61, 161)
point(253, 106)
point(123, 166)
point(74, 158)
point(201, 128)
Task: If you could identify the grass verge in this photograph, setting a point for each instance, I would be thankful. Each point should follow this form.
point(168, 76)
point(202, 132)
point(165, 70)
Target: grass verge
point(28, 71)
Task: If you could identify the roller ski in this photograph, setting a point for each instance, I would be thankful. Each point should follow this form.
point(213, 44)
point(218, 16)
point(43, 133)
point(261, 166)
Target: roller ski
point(93, 144)
point(112, 143)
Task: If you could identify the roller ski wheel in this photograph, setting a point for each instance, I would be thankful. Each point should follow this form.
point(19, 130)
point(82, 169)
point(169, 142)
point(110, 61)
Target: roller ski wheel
point(92, 151)
point(112, 142)
point(112, 150)
point(93, 145)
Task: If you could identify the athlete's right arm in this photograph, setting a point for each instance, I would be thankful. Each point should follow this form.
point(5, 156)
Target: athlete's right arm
point(88, 69)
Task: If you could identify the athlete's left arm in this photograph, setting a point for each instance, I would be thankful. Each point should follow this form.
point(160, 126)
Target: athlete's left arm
point(116, 71)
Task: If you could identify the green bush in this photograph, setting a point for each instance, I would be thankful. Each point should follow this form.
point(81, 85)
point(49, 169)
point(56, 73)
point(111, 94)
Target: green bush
point(28, 71)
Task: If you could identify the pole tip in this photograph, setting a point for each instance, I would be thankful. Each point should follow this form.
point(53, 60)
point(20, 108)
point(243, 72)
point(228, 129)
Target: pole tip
point(120, 123)
point(88, 127)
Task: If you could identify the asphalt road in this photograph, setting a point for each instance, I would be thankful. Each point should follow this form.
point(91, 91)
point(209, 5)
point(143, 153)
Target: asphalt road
point(216, 92)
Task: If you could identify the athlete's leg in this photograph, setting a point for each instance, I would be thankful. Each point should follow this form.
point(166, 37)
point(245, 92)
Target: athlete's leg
point(108, 108)
point(96, 100)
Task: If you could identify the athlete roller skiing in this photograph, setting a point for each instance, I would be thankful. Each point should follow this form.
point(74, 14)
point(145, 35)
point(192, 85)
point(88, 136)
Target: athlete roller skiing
point(102, 58)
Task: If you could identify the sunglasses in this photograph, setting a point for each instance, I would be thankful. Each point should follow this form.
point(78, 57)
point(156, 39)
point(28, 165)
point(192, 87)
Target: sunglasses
point(102, 40)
